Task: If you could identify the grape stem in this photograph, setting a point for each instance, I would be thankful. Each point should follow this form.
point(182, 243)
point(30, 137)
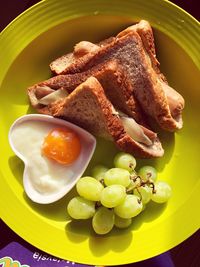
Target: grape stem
point(134, 178)
point(102, 181)
point(98, 204)
point(151, 184)
point(140, 200)
point(140, 183)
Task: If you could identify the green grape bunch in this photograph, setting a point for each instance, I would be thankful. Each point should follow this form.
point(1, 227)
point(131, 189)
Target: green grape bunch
point(113, 197)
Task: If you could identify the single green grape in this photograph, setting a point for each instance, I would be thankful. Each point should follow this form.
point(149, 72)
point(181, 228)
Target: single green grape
point(98, 172)
point(103, 221)
point(162, 192)
point(144, 192)
point(117, 176)
point(148, 172)
point(80, 208)
point(113, 195)
point(89, 188)
point(121, 222)
point(129, 208)
point(125, 161)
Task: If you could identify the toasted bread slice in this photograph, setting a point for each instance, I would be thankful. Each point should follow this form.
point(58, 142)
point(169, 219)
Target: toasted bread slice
point(88, 107)
point(168, 112)
point(111, 76)
point(175, 100)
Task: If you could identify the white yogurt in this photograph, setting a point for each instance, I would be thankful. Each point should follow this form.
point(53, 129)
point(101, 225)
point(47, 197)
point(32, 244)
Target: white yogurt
point(45, 174)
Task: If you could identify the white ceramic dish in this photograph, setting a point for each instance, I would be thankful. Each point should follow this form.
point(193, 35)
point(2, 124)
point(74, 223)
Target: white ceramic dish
point(76, 169)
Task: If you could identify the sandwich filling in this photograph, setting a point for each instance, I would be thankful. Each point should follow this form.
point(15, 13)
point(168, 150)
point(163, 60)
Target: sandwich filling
point(134, 130)
point(53, 97)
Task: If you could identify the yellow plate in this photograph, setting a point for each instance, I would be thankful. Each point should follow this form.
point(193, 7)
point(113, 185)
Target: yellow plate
point(27, 46)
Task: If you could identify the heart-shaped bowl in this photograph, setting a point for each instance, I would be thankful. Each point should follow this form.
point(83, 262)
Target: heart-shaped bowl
point(52, 28)
point(45, 192)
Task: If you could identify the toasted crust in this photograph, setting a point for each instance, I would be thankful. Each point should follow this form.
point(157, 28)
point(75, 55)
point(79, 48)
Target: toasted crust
point(59, 65)
point(126, 143)
point(144, 29)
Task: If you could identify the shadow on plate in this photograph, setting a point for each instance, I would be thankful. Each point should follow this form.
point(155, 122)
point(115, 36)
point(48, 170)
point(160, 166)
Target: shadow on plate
point(99, 246)
point(17, 167)
point(104, 154)
point(168, 142)
point(31, 110)
point(78, 231)
point(56, 211)
point(151, 212)
point(106, 158)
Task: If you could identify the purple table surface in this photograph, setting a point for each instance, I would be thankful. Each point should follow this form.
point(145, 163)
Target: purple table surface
point(186, 254)
point(12, 8)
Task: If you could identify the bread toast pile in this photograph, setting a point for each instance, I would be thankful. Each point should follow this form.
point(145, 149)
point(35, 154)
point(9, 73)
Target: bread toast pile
point(112, 89)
